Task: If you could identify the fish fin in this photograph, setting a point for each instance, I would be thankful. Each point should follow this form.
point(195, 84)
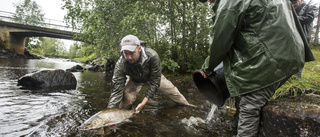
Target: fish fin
point(112, 124)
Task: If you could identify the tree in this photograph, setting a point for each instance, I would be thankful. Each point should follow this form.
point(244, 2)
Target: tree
point(75, 51)
point(52, 47)
point(177, 29)
point(28, 12)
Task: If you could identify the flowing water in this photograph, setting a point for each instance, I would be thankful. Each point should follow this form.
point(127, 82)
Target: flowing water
point(36, 113)
point(211, 113)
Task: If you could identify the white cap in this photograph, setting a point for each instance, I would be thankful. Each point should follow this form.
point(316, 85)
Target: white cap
point(129, 43)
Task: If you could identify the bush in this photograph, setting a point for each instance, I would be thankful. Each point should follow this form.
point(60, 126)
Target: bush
point(4, 38)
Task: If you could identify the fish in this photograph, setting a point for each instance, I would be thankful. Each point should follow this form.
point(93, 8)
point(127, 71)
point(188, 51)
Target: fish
point(107, 117)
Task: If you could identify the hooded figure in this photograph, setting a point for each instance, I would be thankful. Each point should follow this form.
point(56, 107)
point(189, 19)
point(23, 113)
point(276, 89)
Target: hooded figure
point(261, 45)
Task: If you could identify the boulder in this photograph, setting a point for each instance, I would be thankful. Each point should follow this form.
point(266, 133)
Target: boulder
point(6, 53)
point(76, 68)
point(295, 116)
point(95, 68)
point(48, 79)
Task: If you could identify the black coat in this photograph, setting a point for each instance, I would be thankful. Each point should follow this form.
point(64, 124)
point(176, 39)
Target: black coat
point(306, 14)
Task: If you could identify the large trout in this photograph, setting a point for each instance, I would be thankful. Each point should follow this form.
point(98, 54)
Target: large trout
point(107, 117)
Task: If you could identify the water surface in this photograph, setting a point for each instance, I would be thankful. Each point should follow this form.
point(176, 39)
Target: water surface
point(60, 112)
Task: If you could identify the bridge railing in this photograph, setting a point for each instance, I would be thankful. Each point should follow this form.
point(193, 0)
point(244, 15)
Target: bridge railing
point(48, 23)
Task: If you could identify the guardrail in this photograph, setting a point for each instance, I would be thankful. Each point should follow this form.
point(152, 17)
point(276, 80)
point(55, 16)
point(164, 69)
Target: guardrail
point(48, 23)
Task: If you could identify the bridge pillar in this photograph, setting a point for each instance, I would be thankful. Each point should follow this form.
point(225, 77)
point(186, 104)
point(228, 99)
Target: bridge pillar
point(17, 43)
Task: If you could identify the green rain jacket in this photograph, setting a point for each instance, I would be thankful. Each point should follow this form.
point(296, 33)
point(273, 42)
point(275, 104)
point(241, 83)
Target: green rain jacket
point(259, 41)
point(147, 69)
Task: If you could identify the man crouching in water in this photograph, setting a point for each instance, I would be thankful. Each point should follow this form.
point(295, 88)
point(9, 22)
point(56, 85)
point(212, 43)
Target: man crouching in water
point(138, 66)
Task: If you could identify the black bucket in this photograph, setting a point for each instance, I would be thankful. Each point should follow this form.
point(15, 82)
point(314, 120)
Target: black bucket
point(214, 87)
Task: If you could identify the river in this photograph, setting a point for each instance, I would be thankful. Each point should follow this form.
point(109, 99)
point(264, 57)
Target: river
point(60, 112)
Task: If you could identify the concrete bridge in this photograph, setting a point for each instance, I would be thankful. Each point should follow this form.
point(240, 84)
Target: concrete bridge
point(18, 33)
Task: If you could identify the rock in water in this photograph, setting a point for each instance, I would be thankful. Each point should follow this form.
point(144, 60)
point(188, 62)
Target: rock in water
point(48, 79)
point(76, 68)
point(107, 117)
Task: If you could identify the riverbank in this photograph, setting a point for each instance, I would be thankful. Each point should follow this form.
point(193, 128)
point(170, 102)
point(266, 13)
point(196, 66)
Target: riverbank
point(309, 82)
point(6, 53)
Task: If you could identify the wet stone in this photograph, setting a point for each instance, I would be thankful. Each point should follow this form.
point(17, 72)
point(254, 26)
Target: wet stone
point(48, 79)
point(76, 68)
point(297, 116)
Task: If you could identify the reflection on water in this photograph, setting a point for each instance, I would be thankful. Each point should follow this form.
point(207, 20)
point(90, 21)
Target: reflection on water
point(59, 113)
point(27, 112)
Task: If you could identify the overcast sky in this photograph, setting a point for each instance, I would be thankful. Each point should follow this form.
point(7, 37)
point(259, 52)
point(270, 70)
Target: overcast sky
point(51, 8)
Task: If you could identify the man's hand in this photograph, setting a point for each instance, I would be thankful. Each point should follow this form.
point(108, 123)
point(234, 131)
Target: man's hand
point(203, 74)
point(141, 105)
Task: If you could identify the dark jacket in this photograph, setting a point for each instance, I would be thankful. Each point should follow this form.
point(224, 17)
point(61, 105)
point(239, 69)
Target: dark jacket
point(306, 14)
point(147, 69)
point(259, 41)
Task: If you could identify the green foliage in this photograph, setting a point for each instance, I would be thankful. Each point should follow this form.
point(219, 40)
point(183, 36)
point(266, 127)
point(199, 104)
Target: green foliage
point(52, 47)
point(33, 44)
point(167, 63)
point(48, 47)
point(4, 38)
point(170, 64)
point(28, 12)
point(75, 51)
point(91, 57)
point(183, 24)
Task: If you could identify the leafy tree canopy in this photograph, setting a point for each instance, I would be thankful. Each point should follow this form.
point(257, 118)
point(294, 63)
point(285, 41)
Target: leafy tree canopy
point(179, 26)
point(28, 12)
